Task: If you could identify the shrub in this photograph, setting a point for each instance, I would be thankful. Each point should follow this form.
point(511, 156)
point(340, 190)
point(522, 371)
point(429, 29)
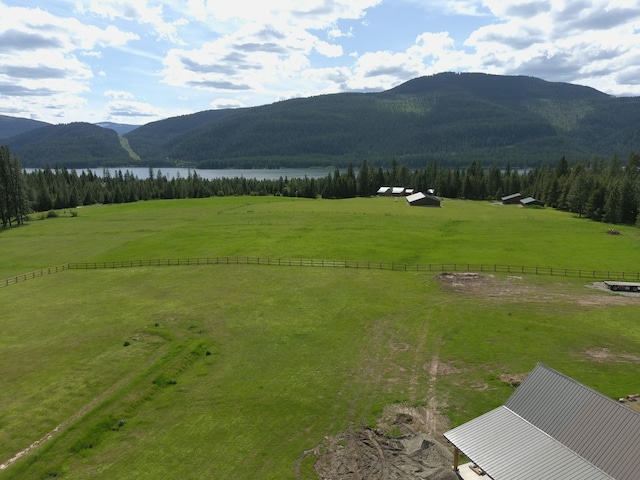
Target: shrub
point(162, 380)
point(52, 214)
point(127, 343)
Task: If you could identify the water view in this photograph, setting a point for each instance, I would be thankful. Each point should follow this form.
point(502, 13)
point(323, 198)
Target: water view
point(209, 174)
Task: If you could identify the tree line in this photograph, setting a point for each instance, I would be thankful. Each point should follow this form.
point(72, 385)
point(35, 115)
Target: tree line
point(600, 189)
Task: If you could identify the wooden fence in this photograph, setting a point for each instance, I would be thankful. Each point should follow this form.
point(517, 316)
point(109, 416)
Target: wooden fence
point(301, 262)
point(28, 276)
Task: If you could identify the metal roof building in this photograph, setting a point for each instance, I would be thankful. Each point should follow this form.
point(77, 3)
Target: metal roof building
point(553, 428)
point(514, 198)
point(525, 202)
point(420, 199)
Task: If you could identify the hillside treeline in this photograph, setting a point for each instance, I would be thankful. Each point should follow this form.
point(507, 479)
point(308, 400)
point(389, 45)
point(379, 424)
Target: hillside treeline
point(600, 189)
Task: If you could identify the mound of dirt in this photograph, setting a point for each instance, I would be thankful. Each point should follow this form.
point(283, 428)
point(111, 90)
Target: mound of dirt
point(368, 454)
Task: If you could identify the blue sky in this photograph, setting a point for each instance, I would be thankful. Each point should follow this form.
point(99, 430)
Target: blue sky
point(138, 61)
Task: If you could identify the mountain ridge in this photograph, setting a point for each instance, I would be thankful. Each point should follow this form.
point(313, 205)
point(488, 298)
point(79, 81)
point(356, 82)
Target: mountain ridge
point(449, 117)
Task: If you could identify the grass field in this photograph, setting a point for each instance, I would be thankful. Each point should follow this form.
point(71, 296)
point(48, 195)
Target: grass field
point(233, 371)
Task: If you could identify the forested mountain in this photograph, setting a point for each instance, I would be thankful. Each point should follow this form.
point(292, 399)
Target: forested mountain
point(72, 145)
point(155, 139)
point(450, 118)
point(120, 128)
point(11, 126)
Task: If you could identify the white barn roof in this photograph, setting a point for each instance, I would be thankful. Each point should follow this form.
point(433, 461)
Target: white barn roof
point(511, 197)
point(415, 196)
point(422, 199)
point(553, 428)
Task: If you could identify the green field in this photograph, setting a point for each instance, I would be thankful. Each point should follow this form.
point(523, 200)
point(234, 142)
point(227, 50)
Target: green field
point(233, 371)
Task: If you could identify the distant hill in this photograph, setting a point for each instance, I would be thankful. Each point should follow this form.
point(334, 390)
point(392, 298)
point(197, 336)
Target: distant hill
point(120, 128)
point(153, 140)
point(73, 145)
point(453, 118)
point(449, 117)
point(11, 126)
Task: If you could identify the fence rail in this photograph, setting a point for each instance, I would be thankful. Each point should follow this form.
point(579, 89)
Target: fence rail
point(305, 262)
point(37, 273)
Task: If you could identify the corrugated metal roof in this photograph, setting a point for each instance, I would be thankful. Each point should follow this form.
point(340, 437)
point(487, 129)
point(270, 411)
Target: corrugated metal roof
point(555, 425)
point(507, 447)
point(528, 200)
point(599, 429)
point(415, 196)
point(512, 196)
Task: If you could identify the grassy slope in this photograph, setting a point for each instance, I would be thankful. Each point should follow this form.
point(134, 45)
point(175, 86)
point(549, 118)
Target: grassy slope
point(297, 353)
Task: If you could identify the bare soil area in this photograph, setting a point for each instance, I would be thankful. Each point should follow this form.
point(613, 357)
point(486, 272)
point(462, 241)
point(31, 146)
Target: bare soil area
point(514, 287)
point(369, 454)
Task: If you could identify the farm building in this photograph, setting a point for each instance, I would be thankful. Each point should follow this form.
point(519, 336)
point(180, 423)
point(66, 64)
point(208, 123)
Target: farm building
point(553, 428)
point(513, 199)
point(384, 191)
point(530, 201)
point(420, 199)
point(397, 191)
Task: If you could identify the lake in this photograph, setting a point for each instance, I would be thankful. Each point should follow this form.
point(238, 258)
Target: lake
point(209, 174)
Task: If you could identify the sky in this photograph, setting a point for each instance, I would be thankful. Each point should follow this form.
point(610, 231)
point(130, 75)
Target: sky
point(139, 61)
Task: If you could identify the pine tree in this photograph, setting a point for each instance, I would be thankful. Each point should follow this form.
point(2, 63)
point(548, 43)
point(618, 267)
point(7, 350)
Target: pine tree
point(14, 204)
point(364, 181)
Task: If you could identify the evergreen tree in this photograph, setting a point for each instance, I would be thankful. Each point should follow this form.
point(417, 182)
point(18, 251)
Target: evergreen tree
point(628, 202)
point(364, 180)
point(612, 212)
point(14, 204)
point(579, 191)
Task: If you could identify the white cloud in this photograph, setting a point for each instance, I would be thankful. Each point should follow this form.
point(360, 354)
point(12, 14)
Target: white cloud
point(119, 95)
point(128, 111)
point(40, 59)
point(221, 103)
point(138, 11)
point(244, 53)
point(573, 41)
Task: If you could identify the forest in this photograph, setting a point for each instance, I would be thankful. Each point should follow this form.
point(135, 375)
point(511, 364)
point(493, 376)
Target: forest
point(606, 190)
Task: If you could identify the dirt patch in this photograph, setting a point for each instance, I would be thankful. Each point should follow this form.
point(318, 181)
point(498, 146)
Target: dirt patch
point(604, 355)
point(513, 379)
point(405, 419)
point(516, 288)
point(435, 367)
point(402, 447)
point(369, 454)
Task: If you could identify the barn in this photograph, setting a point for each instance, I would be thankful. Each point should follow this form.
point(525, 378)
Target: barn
point(530, 201)
point(420, 199)
point(552, 428)
point(384, 191)
point(513, 199)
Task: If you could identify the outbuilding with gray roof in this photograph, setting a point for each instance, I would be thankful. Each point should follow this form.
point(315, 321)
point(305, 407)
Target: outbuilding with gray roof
point(553, 428)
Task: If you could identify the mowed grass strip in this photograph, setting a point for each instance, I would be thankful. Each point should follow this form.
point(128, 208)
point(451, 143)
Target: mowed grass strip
point(296, 353)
